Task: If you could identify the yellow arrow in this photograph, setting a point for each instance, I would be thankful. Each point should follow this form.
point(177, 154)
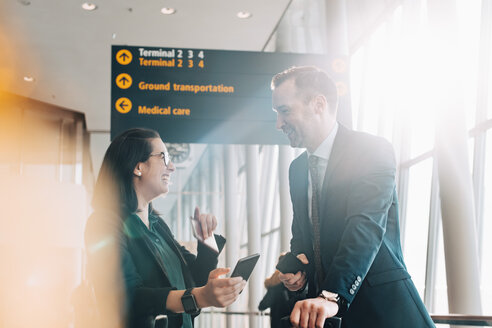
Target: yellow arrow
point(123, 105)
point(124, 57)
point(124, 81)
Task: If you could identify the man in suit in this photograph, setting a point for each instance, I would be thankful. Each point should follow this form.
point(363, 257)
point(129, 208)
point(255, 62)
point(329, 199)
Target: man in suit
point(345, 223)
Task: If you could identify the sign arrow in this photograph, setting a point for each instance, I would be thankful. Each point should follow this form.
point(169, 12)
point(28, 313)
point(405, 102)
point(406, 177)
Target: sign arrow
point(124, 57)
point(123, 105)
point(124, 81)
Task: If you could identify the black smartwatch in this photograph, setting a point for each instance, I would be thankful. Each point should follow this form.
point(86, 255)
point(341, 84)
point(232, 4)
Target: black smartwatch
point(189, 302)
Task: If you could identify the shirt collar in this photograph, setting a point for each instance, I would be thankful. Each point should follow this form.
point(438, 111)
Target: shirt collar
point(323, 151)
point(152, 219)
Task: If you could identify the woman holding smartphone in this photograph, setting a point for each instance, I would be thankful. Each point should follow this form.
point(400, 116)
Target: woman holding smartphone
point(136, 267)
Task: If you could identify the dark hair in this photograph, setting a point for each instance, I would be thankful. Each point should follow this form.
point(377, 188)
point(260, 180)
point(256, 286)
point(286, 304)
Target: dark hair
point(310, 81)
point(114, 190)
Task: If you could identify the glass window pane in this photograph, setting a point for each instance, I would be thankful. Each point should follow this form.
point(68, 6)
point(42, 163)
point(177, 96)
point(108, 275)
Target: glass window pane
point(440, 305)
point(471, 151)
point(486, 286)
point(468, 14)
point(417, 221)
point(374, 82)
point(422, 127)
point(356, 83)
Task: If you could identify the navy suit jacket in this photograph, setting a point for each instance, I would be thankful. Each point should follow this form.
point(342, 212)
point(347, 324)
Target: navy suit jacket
point(360, 236)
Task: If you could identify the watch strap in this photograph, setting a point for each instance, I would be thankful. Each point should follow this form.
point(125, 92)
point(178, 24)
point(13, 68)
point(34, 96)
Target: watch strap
point(340, 300)
point(189, 302)
point(342, 306)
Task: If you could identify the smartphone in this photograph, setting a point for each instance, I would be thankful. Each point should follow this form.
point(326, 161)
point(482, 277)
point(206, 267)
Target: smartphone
point(289, 263)
point(245, 266)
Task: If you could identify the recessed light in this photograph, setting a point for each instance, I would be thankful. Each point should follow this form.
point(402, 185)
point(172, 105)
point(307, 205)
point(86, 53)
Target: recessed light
point(28, 78)
point(89, 6)
point(244, 14)
point(168, 11)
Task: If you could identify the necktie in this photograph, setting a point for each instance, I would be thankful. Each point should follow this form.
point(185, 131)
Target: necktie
point(315, 183)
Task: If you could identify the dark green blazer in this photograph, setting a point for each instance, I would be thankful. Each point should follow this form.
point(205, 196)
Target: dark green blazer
point(360, 236)
point(143, 272)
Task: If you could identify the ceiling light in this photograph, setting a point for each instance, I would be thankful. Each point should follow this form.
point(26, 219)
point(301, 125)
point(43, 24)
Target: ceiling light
point(89, 6)
point(25, 2)
point(168, 11)
point(28, 78)
point(244, 14)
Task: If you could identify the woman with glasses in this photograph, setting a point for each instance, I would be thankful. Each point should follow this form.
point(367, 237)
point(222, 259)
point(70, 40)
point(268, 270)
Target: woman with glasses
point(137, 269)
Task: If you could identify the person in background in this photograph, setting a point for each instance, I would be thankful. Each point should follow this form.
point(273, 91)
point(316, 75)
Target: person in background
point(278, 298)
point(136, 267)
point(345, 207)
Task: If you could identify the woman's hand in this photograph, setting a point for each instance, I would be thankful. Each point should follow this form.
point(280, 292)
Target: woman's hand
point(206, 223)
point(219, 292)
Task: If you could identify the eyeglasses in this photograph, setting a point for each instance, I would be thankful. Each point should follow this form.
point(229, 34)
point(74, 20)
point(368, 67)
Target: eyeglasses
point(164, 155)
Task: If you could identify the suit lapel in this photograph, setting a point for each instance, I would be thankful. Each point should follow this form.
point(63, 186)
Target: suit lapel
point(335, 159)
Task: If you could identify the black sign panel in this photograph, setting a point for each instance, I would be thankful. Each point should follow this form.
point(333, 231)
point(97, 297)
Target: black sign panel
point(204, 96)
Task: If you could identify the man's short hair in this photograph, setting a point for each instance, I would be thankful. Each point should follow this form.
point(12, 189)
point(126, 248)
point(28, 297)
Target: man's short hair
point(310, 81)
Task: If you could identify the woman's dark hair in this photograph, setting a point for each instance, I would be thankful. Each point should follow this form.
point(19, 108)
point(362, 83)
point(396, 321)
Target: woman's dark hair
point(114, 190)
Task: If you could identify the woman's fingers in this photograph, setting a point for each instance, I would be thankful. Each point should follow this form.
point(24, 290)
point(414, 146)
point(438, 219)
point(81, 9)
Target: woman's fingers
point(224, 291)
point(197, 213)
point(207, 222)
point(226, 282)
point(216, 273)
point(204, 225)
point(211, 223)
point(227, 295)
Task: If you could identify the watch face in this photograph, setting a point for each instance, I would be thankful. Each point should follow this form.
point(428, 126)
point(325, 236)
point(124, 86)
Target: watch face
point(189, 304)
point(329, 296)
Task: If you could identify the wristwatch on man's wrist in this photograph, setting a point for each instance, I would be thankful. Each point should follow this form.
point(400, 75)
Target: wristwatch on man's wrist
point(189, 302)
point(333, 297)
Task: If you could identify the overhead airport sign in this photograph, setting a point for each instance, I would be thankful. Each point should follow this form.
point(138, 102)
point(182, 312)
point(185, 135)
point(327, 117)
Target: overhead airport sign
point(204, 96)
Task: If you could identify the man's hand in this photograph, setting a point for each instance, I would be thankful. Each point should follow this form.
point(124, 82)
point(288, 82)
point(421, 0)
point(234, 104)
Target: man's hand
point(294, 282)
point(312, 312)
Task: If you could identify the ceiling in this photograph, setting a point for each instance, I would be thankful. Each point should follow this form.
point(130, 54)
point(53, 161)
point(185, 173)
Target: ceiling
point(67, 50)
